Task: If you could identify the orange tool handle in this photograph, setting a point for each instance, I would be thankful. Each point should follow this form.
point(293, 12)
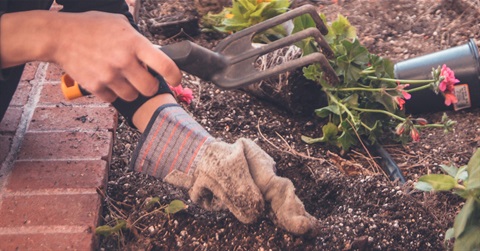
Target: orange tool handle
point(71, 89)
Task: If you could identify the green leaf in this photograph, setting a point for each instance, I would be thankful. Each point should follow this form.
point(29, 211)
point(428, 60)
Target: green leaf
point(151, 202)
point(383, 67)
point(469, 240)
point(347, 140)
point(473, 169)
point(330, 132)
point(462, 173)
point(439, 182)
point(327, 110)
point(352, 60)
point(340, 29)
point(310, 140)
point(307, 45)
point(351, 101)
point(387, 102)
point(423, 186)
point(108, 230)
point(175, 206)
point(450, 234)
point(467, 219)
point(450, 170)
point(303, 22)
point(312, 72)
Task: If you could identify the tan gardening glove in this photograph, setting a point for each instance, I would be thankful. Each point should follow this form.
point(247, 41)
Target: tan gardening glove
point(218, 175)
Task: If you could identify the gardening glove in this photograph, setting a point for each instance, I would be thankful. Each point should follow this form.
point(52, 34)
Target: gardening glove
point(175, 148)
point(218, 175)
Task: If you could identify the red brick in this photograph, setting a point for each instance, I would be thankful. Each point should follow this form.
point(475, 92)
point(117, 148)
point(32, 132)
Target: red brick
point(5, 144)
point(70, 118)
point(66, 145)
point(21, 95)
point(47, 241)
point(30, 71)
point(52, 94)
point(11, 120)
point(38, 175)
point(50, 210)
point(54, 72)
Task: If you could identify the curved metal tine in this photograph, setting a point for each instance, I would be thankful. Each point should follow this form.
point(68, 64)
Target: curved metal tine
point(328, 72)
point(286, 41)
point(256, 76)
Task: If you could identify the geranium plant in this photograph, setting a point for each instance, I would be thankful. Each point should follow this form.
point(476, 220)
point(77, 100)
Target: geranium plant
point(368, 101)
point(465, 182)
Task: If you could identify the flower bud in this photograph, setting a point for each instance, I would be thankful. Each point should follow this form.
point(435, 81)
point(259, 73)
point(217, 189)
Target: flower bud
point(421, 121)
point(400, 129)
point(415, 134)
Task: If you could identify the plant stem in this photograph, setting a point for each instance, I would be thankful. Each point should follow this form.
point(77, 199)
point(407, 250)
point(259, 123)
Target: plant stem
point(366, 126)
point(403, 81)
point(430, 125)
point(423, 87)
point(379, 111)
point(342, 106)
point(350, 89)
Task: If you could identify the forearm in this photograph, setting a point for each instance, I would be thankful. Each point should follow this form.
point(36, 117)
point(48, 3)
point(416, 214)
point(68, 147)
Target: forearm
point(28, 36)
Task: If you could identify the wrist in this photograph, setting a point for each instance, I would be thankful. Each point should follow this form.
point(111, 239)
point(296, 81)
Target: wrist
point(144, 114)
point(28, 36)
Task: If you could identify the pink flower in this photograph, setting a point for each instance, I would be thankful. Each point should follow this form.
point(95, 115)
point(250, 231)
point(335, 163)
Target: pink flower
point(450, 98)
point(400, 101)
point(400, 88)
point(183, 94)
point(449, 79)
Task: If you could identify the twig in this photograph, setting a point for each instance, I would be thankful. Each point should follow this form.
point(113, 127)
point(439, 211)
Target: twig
point(291, 150)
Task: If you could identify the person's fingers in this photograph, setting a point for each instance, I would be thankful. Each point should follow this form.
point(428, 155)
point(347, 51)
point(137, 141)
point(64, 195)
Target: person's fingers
point(105, 94)
point(139, 77)
point(160, 63)
point(124, 89)
point(287, 209)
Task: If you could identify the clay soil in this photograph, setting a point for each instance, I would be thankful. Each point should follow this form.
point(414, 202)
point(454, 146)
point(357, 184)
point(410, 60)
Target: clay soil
point(365, 211)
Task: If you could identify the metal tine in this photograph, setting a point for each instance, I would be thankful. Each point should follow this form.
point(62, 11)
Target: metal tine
point(286, 41)
point(317, 57)
point(272, 22)
point(329, 73)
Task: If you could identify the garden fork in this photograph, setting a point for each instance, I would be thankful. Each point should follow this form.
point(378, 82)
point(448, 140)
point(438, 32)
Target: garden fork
point(232, 63)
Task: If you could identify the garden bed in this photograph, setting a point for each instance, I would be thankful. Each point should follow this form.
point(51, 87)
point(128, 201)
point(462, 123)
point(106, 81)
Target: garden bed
point(358, 206)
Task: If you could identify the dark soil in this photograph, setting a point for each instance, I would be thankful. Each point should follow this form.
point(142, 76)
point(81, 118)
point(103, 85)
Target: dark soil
point(359, 207)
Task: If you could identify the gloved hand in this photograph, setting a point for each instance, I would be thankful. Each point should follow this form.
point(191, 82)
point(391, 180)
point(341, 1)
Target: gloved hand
point(239, 177)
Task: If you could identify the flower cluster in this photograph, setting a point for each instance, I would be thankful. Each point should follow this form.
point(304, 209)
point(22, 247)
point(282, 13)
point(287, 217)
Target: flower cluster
point(183, 94)
point(447, 85)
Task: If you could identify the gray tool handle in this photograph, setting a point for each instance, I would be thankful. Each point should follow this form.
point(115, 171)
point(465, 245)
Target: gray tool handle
point(195, 59)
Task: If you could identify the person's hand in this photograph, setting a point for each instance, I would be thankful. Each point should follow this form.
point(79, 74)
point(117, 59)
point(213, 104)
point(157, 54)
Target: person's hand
point(101, 51)
point(239, 177)
point(108, 56)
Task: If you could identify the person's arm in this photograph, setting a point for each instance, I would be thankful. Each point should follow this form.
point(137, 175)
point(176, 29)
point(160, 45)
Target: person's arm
point(100, 50)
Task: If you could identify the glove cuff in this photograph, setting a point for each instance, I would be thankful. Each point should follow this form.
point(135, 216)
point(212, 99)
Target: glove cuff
point(173, 140)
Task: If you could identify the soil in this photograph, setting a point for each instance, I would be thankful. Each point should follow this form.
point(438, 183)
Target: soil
point(358, 206)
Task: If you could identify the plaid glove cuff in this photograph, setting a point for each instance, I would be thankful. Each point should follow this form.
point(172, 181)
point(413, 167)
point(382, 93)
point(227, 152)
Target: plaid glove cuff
point(173, 140)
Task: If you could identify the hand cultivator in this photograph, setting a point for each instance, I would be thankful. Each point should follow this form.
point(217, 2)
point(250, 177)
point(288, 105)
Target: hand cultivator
point(232, 63)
